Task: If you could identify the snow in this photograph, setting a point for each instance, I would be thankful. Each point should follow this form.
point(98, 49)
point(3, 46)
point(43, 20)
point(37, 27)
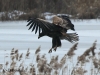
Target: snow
point(14, 34)
point(49, 16)
point(17, 31)
point(86, 22)
point(12, 14)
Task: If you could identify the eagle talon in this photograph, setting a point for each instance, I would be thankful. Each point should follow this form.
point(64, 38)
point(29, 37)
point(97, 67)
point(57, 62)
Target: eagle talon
point(55, 48)
point(38, 37)
point(50, 51)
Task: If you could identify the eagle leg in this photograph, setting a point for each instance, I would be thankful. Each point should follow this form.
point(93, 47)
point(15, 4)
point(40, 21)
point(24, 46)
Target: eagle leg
point(55, 48)
point(56, 43)
point(53, 44)
point(50, 51)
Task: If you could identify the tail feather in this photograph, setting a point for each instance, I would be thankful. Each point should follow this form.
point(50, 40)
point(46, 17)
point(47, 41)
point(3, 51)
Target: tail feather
point(71, 37)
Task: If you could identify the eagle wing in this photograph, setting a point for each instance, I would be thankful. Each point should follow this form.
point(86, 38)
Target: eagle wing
point(37, 24)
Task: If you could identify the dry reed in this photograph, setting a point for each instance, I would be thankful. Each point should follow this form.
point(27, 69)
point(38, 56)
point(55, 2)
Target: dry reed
point(54, 66)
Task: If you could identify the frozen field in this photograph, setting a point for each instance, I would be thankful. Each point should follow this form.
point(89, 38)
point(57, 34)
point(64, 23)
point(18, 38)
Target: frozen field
point(16, 35)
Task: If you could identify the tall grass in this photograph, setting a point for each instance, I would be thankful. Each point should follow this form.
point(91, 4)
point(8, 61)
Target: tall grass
point(41, 65)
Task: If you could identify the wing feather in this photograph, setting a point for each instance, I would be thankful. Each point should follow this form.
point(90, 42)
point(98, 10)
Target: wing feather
point(30, 26)
point(46, 24)
point(43, 27)
point(29, 22)
point(36, 29)
point(39, 30)
point(33, 27)
point(40, 25)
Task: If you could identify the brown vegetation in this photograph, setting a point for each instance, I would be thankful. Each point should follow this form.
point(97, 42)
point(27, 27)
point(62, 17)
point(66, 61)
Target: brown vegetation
point(56, 66)
point(83, 9)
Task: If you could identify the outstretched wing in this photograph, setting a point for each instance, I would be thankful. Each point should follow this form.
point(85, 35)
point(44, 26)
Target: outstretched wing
point(42, 26)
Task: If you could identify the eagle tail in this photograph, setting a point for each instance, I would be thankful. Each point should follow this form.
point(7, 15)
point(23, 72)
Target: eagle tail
point(71, 37)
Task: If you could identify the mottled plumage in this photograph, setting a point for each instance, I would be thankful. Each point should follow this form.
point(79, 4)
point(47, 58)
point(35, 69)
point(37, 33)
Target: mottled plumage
point(56, 30)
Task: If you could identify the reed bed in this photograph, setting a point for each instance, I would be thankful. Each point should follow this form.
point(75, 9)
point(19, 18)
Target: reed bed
point(87, 63)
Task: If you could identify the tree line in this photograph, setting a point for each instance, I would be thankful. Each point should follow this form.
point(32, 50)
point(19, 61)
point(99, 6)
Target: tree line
point(78, 8)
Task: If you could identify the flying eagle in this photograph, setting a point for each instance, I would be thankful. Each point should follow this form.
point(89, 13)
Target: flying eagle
point(57, 30)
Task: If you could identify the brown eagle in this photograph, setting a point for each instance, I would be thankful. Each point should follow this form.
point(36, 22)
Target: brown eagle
point(57, 30)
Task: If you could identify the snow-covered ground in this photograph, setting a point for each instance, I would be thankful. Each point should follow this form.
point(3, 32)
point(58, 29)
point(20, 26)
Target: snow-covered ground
point(16, 35)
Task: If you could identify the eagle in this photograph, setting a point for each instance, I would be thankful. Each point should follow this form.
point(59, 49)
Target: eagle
point(57, 30)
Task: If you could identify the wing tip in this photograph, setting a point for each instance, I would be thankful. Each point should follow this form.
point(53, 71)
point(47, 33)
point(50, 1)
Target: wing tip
point(29, 19)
